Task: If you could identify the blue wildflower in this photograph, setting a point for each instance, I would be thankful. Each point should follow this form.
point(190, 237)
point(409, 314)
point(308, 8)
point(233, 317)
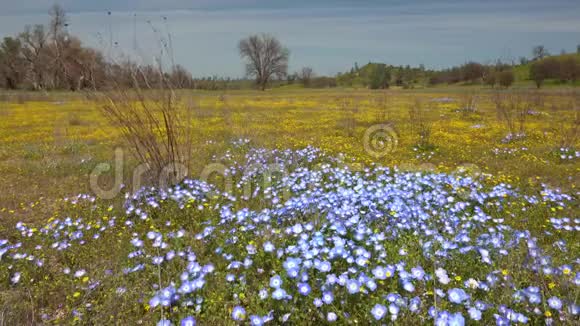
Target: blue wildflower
point(418, 272)
point(279, 294)
point(474, 313)
point(457, 295)
point(275, 281)
point(456, 319)
point(379, 273)
point(393, 309)
point(331, 317)
point(408, 286)
point(324, 267)
point(263, 294)
point(269, 247)
point(353, 286)
point(379, 311)
point(239, 313)
point(164, 322)
point(327, 297)
point(188, 321)
point(415, 304)
point(555, 303)
point(304, 288)
point(256, 320)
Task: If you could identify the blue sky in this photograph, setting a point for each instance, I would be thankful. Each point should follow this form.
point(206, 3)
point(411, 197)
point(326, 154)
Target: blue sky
point(327, 35)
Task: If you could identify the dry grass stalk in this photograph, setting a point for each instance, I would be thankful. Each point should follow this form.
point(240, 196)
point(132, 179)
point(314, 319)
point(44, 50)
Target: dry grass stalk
point(154, 121)
point(513, 109)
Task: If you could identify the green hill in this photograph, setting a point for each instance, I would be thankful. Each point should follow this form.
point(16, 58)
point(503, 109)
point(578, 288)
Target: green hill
point(561, 69)
point(380, 75)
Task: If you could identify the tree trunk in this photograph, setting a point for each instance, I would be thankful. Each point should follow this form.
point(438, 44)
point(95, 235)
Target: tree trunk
point(10, 83)
point(264, 83)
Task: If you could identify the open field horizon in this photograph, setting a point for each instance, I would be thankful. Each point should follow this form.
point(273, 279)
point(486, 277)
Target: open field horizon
point(69, 134)
point(407, 145)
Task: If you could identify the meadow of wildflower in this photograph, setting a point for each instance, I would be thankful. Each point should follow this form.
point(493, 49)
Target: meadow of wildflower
point(445, 206)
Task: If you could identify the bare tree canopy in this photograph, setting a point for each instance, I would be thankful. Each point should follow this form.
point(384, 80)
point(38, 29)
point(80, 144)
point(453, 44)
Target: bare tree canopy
point(539, 52)
point(306, 76)
point(11, 62)
point(58, 20)
point(35, 49)
point(265, 56)
point(45, 57)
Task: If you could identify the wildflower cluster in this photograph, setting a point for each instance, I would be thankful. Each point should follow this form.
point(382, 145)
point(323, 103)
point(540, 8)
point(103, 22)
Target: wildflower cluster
point(424, 152)
point(567, 154)
point(513, 137)
point(507, 151)
point(322, 243)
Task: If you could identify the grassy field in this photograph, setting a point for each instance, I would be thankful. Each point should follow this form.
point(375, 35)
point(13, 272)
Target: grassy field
point(50, 144)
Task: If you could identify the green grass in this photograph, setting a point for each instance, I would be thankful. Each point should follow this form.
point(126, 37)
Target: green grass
point(49, 146)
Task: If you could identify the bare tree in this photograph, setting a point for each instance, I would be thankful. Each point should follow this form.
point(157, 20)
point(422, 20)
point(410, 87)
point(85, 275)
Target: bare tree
point(265, 56)
point(78, 64)
point(473, 71)
point(11, 62)
point(47, 57)
point(306, 76)
point(58, 21)
point(506, 78)
point(569, 68)
point(57, 32)
point(291, 78)
point(538, 73)
point(490, 77)
point(153, 119)
point(180, 77)
point(35, 51)
point(539, 52)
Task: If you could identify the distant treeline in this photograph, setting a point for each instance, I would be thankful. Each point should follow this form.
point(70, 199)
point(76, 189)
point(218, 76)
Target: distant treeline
point(380, 76)
point(563, 68)
point(48, 57)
